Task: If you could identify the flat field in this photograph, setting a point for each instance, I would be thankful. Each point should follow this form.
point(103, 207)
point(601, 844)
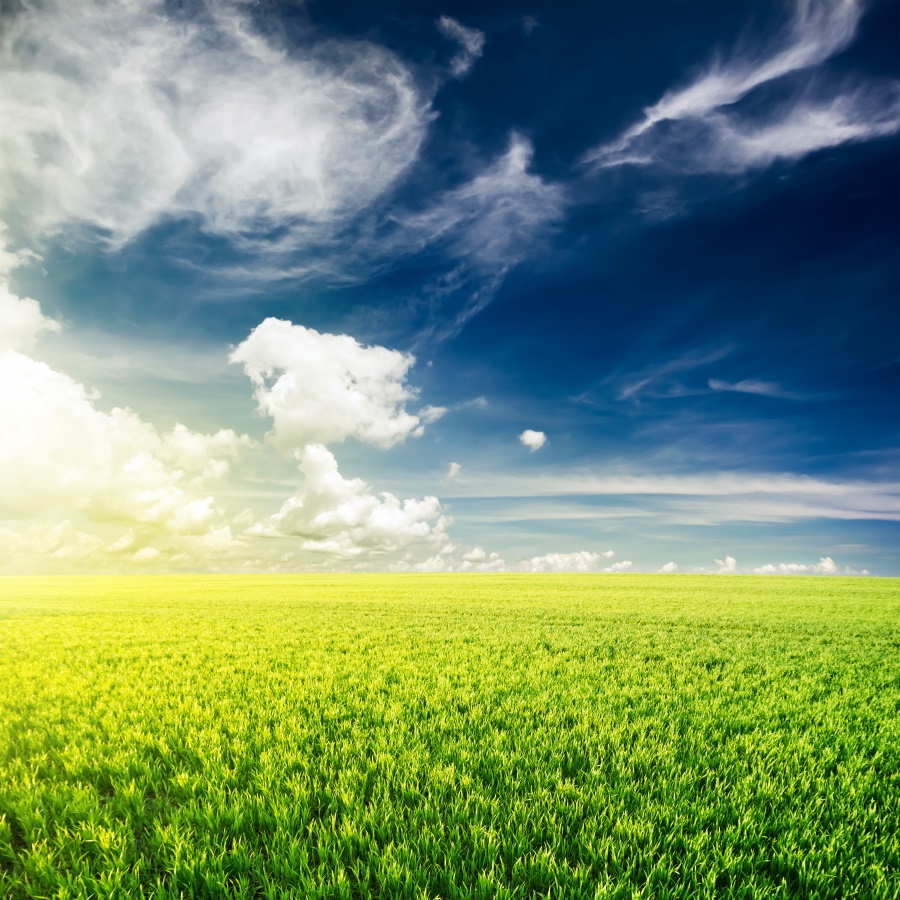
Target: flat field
point(450, 736)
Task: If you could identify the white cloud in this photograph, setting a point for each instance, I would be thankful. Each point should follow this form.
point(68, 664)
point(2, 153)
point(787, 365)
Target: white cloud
point(431, 414)
point(729, 564)
point(482, 562)
point(580, 561)
point(447, 560)
point(60, 451)
point(751, 386)
point(492, 218)
point(488, 225)
point(21, 319)
point(623, 566)
point(453, 470)
point(118, 115)
point(825, 566)
point(324, 388)
point(669, 567)
point(343, 519)
point(701, 130)
point(470, 40)
point(534, 440)
point(700, 499)
point(801, 128)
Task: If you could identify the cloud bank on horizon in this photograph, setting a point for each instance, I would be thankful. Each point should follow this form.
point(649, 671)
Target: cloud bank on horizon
point(408, 246)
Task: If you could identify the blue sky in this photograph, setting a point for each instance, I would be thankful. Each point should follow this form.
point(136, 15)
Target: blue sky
point(430, 286)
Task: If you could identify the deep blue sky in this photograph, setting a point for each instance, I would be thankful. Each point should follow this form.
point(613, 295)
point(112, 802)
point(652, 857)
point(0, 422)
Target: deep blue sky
point(664, 235)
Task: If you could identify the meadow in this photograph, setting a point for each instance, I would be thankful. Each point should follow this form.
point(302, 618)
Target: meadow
point(499, 736)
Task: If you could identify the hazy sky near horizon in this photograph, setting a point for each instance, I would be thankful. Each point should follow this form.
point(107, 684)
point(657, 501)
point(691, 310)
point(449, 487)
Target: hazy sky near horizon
point(533, 286)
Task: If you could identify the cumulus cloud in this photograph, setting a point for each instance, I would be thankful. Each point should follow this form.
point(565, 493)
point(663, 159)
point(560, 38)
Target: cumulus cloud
point(325, 388)
point(534, 440)
point(729, 564)
point(580, 561)
point(669, 567)
point(470, 41)
point(128, 113)
point(478, 560)
point(61, 455)
point(62, 547)
point(60, 450)
point(448, 559)
point(453, 470)
point(697, 127)
point(21, 318)
point(825, 566)
point(342, 518)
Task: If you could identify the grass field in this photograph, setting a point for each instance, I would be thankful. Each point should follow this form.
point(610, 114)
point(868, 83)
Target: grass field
point(450, 736)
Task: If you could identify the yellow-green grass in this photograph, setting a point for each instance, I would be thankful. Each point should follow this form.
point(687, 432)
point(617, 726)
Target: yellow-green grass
point(450, 736)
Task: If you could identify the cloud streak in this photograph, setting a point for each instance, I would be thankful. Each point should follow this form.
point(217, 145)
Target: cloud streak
point(698, 127)
point(699, 499)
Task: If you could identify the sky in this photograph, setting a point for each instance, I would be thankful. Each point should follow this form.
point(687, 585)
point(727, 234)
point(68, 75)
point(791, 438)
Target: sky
point(494, 286)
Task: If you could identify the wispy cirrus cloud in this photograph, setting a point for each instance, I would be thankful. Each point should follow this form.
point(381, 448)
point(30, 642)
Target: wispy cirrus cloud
point(706, 498)
point(753, 386)
point(470, 41)
point(483, 228)
point(697, 128)
point(121, 115)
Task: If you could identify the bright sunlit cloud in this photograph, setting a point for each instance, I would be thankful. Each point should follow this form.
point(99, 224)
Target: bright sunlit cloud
point(324, 388)
point(533, 440)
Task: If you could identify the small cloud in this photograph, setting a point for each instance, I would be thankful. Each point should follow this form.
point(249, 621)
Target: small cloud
point(146, 554)
point(623, 566)
point(529, 23)
point(825, 566)
point(470, 40)
point(729, 564)
point(669, 567)
point(534, 440)
point(431, 414)
point(752, 386)
point(454, 469)
point(580, 561)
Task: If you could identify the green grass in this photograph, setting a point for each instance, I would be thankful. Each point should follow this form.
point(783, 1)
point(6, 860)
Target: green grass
point(454, 737)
